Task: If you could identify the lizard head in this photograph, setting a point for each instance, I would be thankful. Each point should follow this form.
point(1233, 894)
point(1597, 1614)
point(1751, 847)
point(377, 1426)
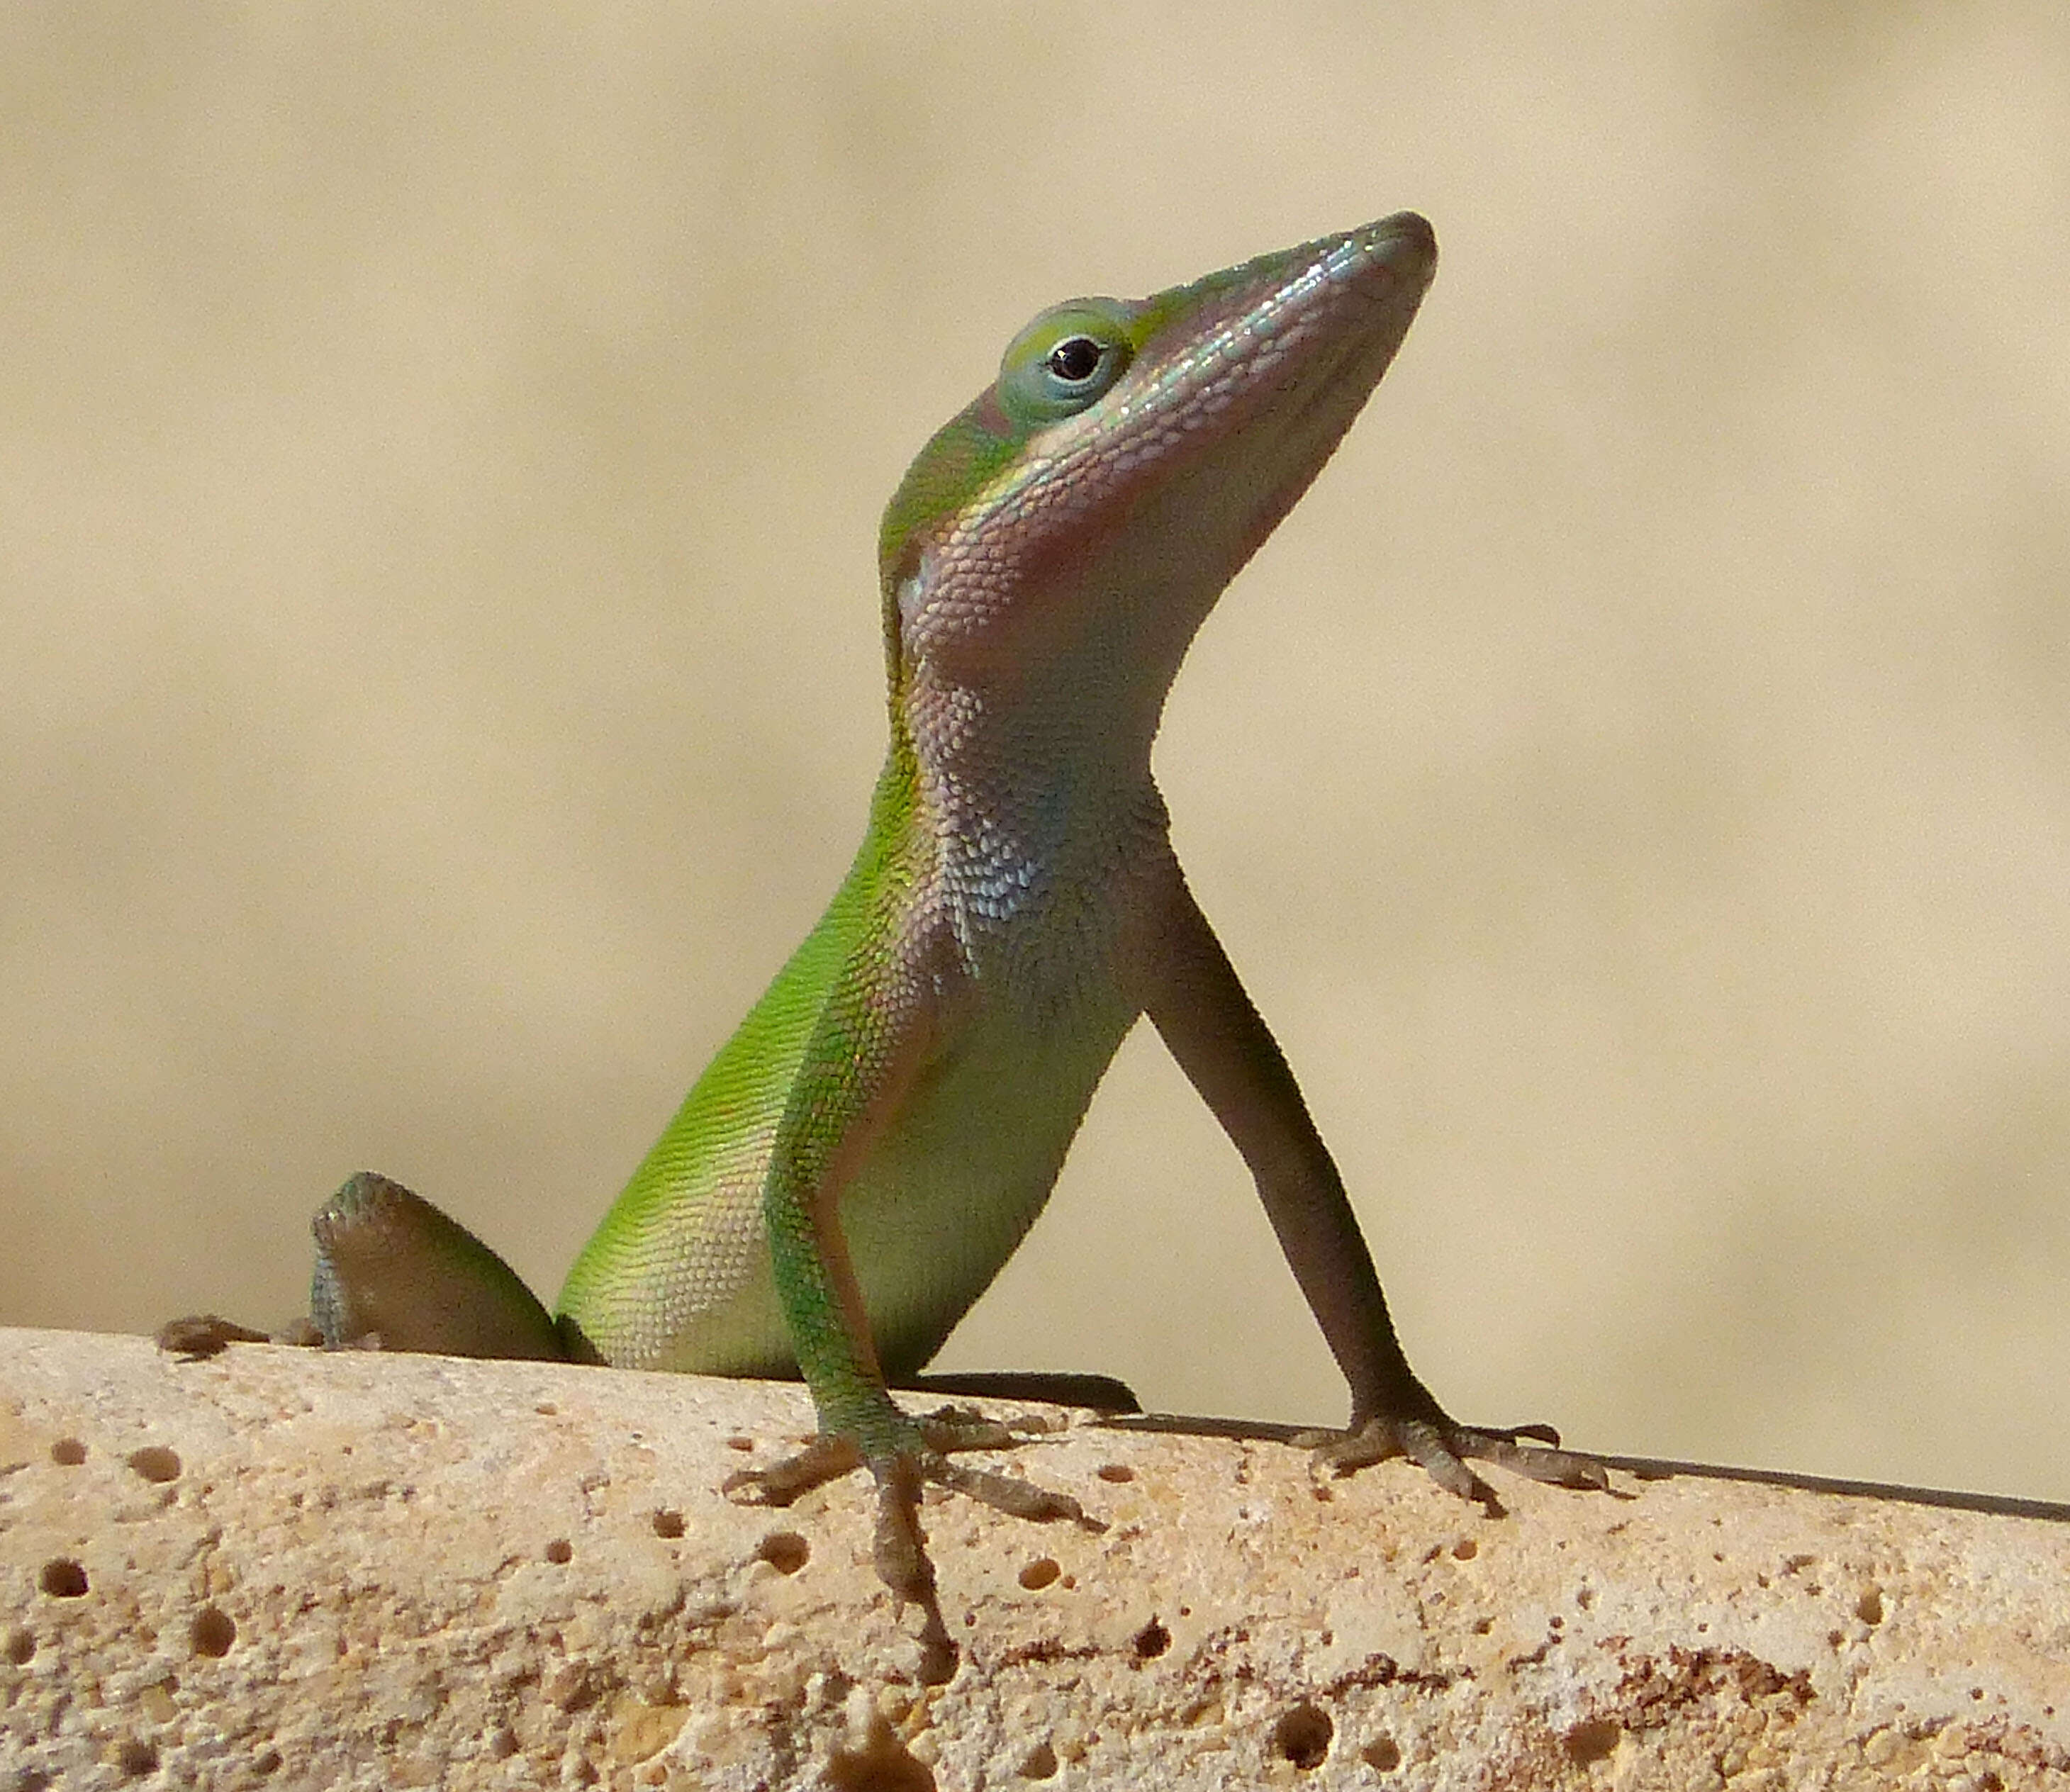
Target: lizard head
point(1079, 519)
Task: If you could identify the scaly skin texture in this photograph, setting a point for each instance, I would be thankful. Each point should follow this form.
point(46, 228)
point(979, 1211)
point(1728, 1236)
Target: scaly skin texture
point(860, 1161)
point(903, 1094)
point(866, 1151)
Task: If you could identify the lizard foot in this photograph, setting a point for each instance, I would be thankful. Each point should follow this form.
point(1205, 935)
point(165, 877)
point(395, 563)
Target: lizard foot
point(899, 1546)
point(1442, 1449)
point(204, 1335)
point(201, 1335)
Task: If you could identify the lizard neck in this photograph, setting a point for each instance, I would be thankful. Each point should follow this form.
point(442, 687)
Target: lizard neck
point(1040, 811)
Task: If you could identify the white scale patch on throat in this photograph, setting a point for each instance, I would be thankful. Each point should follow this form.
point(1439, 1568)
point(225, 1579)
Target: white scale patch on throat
point(1036, 848)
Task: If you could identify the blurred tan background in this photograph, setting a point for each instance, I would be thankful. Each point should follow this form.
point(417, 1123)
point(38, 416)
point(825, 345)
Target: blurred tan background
point(439, 677)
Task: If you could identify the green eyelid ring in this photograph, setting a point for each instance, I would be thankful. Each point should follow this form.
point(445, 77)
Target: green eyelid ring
point(1067, 359)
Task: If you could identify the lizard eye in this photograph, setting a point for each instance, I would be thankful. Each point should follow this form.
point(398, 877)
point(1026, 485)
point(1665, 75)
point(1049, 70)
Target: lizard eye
point(1065, 361)
point(1075, 360)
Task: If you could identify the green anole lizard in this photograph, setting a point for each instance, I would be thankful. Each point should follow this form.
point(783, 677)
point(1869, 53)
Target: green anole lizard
point(865, 1153)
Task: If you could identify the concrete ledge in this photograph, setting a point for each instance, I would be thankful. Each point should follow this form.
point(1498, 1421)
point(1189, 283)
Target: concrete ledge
point(282, 1569)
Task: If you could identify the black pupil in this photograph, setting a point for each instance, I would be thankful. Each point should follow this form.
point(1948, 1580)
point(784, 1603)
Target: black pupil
point(1075, 358)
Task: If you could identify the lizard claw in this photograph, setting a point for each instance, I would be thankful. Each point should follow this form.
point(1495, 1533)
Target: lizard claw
point(948, 1428)
point(829, 1456)
point(899, 1547)
point(204, 1334)
point(1442, 1449)
point(825, 1458)
point(200, 1336)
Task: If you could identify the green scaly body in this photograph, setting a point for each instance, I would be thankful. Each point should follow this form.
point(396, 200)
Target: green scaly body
point(681, 1275)
point(867, 1150)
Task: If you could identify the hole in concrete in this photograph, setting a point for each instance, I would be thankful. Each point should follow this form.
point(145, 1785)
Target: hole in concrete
point(135, 1758)
point(784, 1551)
point(64, 1578)
point(1039, 1573)
point(156, 1700)
point(1151, 1642)
point(1302, 1736)
point(212, 1631)
point(155, 1463)
point(268, 1763)
point(1383, 1755)
point(880, 1764)
point(1869, 1607)
point(572, 1685)
point(20, 1646)
point(1040, 1763)
point(1466, 1549)
point(1594, 1739)
point(1115, 1471)
point(68, 1452)
point(560, 1550)
point(668, 1523)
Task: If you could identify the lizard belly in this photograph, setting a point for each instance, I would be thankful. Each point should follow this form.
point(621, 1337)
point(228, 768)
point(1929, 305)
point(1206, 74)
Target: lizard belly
point(962, 1171)
point(679, 1276)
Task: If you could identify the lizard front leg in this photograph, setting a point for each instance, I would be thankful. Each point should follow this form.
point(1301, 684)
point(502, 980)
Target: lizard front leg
point(1195, 999)
point(873, 1037)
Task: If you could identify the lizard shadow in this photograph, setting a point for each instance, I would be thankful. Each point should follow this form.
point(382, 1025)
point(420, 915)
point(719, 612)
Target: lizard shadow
point(1640, 1468)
